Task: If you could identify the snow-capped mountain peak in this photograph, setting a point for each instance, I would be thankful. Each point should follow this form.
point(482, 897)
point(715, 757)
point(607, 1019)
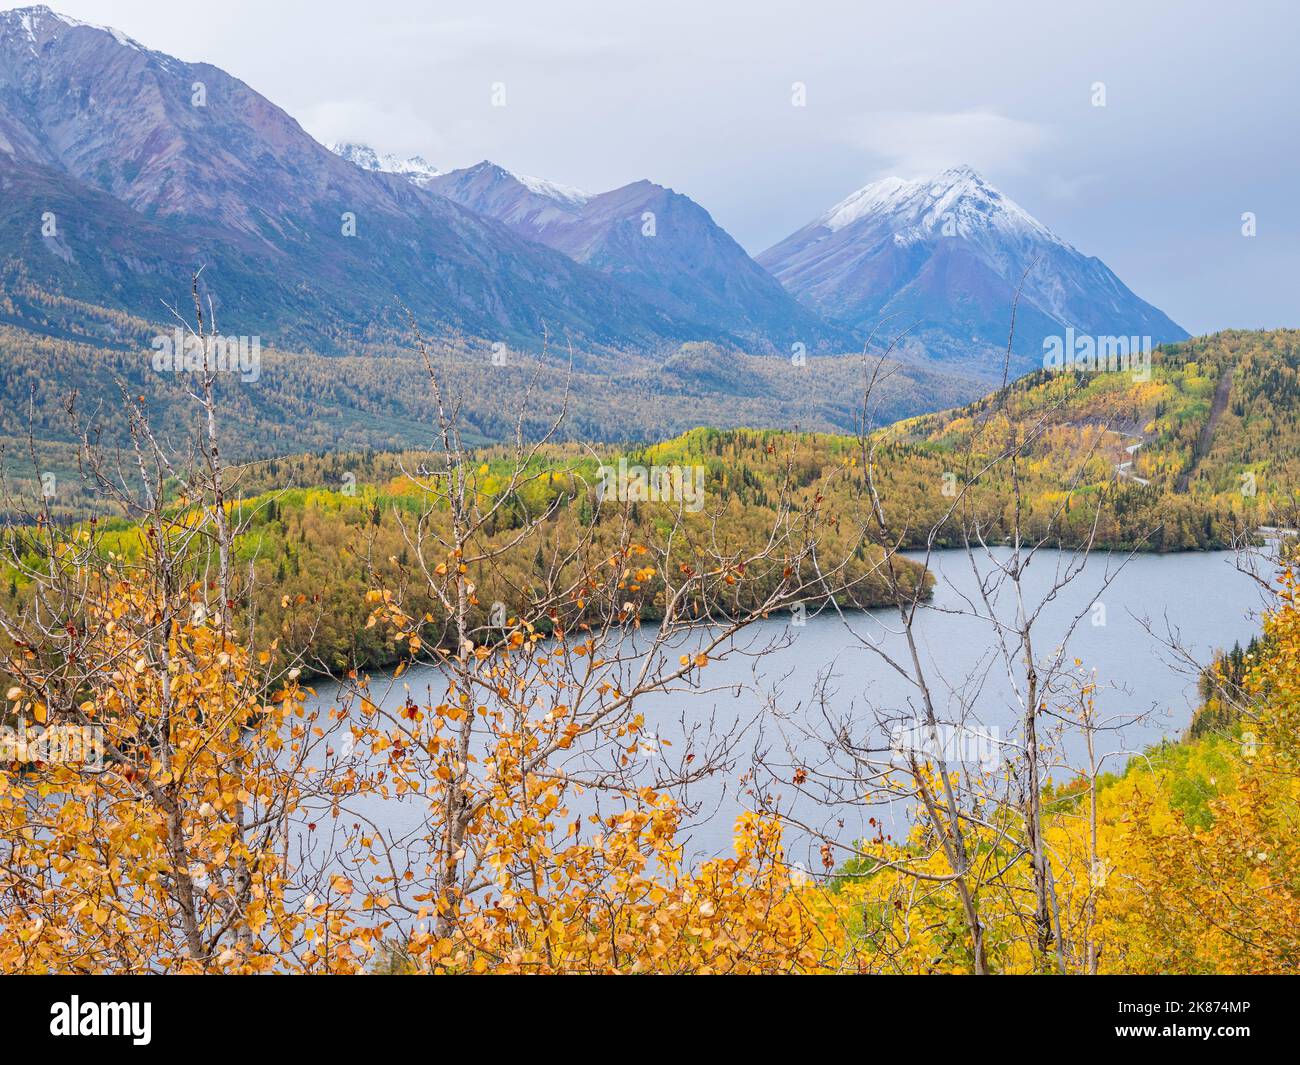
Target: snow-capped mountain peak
point(955, 202)
point(415, 168)
point(40, 21)
point(878, 196)
point(950, 255)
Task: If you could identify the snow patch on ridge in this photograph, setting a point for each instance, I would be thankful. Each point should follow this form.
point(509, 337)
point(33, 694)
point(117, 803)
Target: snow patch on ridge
point(415, 168)
point(29, 19)
point(553, 190)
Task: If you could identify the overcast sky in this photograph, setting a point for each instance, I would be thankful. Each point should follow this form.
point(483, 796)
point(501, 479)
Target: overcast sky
point(1200, 122)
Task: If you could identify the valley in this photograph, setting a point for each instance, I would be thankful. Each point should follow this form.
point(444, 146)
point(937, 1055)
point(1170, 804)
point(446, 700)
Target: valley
point(413, 565)
point(323, 528)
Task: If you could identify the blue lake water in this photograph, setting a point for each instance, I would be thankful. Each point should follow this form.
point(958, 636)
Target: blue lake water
point(784, 684)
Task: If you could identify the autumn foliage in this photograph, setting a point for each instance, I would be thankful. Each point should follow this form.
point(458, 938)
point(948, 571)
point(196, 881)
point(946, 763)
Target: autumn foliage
point(222, 819)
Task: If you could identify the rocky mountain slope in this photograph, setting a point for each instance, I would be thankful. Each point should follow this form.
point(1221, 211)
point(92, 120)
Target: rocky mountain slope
point(943, 258)
point(658, 244)
point(125, 169)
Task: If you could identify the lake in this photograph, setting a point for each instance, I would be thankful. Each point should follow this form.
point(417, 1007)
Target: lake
point(813, 674)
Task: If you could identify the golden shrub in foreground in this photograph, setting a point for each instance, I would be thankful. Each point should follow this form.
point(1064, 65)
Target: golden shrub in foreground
point(622, 903)
point(173, 857)
point(1196, 868)
point(178, 856)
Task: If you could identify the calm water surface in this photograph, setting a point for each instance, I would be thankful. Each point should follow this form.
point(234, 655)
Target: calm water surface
point(822, 672)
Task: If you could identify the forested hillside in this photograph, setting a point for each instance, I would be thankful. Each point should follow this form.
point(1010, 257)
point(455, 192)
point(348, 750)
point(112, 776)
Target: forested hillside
point(313, 553)
point(322, 528)
point(547, 610)
point(1206, 450)
point(73, 379)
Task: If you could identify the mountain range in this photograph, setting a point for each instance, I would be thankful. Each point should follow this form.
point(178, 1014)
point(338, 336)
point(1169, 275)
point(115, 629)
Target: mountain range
point(122, 170)
point(658, 244)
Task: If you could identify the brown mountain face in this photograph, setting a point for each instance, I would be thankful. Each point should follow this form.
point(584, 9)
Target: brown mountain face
point(656, 243)
point(124, 170)
point(206, 172)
